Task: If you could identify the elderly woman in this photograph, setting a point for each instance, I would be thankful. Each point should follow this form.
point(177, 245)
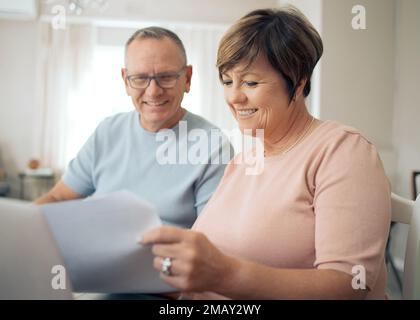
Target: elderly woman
point(314, 223)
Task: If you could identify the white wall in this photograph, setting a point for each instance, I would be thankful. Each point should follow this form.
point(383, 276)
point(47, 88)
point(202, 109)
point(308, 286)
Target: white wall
point(358, 68)
point(357, 82)
point(406, 136)
point(17, 82)
point(201, 11)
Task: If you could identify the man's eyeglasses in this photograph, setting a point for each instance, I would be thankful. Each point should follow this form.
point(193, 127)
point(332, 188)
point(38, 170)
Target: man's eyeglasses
point(163, 80)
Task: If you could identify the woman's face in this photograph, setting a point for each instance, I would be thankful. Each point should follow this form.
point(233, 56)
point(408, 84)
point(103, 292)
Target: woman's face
point(257, 97)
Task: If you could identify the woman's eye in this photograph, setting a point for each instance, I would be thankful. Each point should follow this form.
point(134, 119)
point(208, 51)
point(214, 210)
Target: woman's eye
point(251, 83)
point(226, 82)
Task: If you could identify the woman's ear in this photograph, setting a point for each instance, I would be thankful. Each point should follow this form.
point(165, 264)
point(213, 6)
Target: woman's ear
point(300, 88)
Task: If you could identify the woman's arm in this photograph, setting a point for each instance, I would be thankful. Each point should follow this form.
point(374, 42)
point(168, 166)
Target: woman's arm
point(198, 266)
point(250, 280)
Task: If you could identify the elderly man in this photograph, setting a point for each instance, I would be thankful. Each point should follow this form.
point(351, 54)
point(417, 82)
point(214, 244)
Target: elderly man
point(123, 151)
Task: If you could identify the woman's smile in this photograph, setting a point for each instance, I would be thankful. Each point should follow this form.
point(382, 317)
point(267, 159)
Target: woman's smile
point(246, 113)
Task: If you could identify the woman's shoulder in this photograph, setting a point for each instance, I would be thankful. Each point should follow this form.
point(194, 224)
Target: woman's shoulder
point(337, 145)
point(333, 131)
point(336, 126)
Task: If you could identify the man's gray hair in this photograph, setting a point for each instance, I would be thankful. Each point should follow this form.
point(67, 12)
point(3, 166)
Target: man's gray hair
point(156, 33)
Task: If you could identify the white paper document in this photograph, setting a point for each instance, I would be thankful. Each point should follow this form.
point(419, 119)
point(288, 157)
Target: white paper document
point(97, 238)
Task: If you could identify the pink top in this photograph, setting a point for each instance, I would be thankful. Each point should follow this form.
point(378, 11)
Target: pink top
point(325, 204)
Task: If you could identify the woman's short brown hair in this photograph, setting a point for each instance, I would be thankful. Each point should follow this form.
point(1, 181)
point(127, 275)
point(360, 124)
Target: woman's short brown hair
point(285, 36)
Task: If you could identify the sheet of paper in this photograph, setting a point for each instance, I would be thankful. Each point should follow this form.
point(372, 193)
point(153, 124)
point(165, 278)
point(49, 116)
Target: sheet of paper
point(97, 238)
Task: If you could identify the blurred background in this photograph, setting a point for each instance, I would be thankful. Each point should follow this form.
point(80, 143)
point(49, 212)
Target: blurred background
point(60, 64)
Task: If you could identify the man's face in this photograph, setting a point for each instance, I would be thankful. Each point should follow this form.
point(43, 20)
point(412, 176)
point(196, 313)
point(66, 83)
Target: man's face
point(159, 108)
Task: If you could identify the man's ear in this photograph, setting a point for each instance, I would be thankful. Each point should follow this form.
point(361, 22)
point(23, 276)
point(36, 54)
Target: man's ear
point(188, 75)
point(124, 77)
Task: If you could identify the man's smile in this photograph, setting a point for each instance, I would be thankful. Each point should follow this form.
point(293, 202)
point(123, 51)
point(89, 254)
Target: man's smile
point(155, 103)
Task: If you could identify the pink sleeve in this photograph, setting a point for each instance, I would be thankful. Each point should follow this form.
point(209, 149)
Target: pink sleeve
point(352, 207)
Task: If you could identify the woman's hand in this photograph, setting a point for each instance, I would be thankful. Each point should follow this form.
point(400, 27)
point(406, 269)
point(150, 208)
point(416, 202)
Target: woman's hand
point(197, 265)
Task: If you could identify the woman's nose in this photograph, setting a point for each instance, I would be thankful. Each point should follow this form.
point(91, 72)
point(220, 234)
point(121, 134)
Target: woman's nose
point(234, 95)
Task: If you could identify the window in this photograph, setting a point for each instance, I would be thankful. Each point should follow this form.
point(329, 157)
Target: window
point(101, 94)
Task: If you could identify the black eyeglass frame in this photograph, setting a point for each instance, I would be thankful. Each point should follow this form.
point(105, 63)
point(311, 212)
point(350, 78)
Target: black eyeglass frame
point(157, 78)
